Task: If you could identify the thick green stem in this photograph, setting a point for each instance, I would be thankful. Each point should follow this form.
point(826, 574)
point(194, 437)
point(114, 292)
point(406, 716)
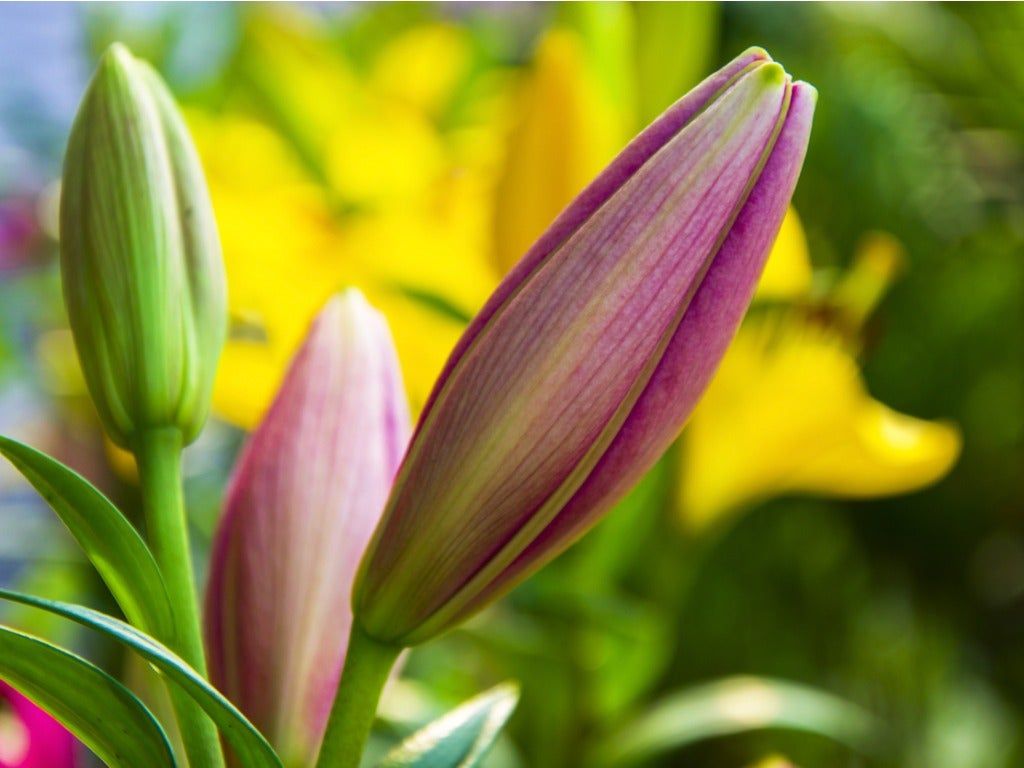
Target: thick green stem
point(158, 454)
point(367, 665)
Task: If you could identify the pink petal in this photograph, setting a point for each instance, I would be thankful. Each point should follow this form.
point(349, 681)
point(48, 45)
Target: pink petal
point(35, 740)
point(307, 492)
point(692, 357)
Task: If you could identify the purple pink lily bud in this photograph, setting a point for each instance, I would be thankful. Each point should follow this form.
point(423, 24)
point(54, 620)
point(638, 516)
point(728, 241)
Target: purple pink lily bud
point(585, 364)
point(307, 492)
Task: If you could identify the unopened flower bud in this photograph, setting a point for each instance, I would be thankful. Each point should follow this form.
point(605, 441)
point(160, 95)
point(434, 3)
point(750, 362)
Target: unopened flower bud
point(584, 365)
point(306, 495)
point(140, 257)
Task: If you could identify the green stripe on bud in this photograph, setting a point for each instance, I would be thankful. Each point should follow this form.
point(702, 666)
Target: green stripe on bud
point(140, 256)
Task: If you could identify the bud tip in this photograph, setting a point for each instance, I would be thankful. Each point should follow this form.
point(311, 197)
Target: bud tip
point(772, 73)
point(117, 54)
point(807, 90)
point(756, 52)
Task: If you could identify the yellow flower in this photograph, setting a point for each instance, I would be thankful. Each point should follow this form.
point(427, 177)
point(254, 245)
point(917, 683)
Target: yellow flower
point(787, 274)
point(363, 190)
point(569, 128)
point(349, 181)
point(422, 67)
point(788, 411)
point(286, 252)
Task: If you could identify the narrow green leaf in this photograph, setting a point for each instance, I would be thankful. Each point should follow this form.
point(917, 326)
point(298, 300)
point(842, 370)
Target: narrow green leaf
point(95, 707)
point(110, 541)
point(248, 744)
point(736, 705)
point(461, 738)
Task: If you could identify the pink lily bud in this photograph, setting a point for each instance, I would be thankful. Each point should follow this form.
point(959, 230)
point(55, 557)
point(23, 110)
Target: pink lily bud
point(306, 494)
point(584, 365)
point(29, 737)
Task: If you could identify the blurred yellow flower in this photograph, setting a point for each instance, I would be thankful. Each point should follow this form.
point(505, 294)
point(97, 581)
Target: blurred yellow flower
point(787, 274)
point(788, 411)
point(368, 193)
point(569, 128)
point(422, 67)
point(350, 181)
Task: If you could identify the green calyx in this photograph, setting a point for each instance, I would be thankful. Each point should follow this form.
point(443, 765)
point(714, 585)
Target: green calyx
point(140, 256)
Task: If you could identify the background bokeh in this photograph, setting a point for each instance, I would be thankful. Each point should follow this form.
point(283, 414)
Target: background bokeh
point(828, 568)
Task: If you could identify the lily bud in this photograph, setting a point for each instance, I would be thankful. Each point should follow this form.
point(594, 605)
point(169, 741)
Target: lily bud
point(306, 494)
point(140, 257)
point(583, 367)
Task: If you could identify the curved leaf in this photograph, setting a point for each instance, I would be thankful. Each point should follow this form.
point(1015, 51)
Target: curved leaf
point(91, 704)
point(248, 744)
point(735, 705)
point(110, 541)
point(461, 738)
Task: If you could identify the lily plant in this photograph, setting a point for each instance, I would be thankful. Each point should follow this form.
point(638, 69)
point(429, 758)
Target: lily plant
point(348, 536)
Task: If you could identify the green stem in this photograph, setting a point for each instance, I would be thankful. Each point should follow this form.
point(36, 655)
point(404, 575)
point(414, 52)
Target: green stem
point(367, 665)
point(158, 454)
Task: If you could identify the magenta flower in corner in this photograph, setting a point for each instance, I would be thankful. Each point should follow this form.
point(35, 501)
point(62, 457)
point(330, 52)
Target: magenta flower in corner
point(29, 737)
point(585, 364)
point(307, 492)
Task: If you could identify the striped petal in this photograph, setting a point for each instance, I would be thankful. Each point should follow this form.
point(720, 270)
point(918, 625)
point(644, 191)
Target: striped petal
point(788, 412)
point(585, 364)
point(306, 495)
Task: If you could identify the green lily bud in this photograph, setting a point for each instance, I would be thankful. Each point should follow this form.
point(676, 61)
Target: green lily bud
point(140, 256)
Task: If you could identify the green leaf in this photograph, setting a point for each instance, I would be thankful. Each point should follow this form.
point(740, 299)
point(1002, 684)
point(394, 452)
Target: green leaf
point(95, 707)
point(461, 738)
point(248, 744)
point(110, 541)
point(736, 705)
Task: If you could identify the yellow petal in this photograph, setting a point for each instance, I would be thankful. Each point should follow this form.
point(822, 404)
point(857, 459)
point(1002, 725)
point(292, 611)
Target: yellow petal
point(286, 251)
point(423, 337)
point(298, 75)
point(568, 130)
point(384, 153)
point(788, 413)
point(787, 274)
point(886, 453)
point(282, 254)
point(876, 263)
point(246, 382)
point(413, 230)
point(121, 461)
point(423, 66)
